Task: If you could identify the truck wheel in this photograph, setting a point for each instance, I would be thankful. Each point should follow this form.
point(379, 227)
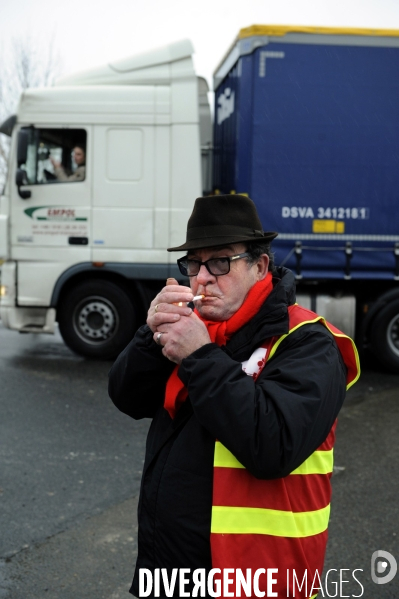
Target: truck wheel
point(385, 336)
point(97, 319)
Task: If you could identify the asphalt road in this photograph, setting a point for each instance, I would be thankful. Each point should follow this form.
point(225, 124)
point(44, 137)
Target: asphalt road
point(71, 466)
point(70, 470)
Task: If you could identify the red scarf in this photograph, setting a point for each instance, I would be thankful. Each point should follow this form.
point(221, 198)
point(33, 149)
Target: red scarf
point(219, 332)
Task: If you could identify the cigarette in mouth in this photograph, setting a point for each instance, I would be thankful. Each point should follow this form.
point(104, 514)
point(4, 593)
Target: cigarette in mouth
point(196, 297)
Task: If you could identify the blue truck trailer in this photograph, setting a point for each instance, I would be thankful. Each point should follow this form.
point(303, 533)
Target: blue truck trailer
point(307, 124)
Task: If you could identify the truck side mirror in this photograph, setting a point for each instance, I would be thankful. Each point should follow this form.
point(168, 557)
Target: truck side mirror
point(20, 180)
point(22, 147)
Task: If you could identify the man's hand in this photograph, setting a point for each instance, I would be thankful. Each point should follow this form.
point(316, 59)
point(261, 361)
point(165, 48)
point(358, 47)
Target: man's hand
point(54, 162)
point(183, 337)
point(164, 307)
point(182, 331)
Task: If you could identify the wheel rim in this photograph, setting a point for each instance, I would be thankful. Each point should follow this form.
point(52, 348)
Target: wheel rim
point(393, 335)
point(95, 320)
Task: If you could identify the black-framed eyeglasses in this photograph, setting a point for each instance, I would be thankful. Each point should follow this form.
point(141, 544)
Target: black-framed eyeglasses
point(215, 266)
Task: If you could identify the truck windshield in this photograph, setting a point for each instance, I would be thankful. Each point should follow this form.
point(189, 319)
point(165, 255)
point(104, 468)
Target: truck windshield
point(55, 155)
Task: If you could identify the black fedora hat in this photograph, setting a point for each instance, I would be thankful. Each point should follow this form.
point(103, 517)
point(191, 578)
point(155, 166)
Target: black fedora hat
point(221, 220)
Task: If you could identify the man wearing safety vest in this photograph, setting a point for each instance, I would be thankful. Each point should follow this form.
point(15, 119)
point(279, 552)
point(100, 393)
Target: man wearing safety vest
point(243, 387)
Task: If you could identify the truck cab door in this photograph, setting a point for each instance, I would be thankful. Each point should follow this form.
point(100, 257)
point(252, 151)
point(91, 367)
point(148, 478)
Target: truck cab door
point(50, 208)
point(57, 207)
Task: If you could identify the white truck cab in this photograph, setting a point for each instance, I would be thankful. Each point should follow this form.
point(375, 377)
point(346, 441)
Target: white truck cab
point(89, 251)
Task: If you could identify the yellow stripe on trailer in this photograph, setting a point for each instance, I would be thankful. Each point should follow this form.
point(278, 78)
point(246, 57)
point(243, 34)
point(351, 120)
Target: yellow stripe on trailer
point(280, 30)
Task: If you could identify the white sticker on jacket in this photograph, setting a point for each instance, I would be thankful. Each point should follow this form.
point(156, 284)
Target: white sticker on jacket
point(255, 362)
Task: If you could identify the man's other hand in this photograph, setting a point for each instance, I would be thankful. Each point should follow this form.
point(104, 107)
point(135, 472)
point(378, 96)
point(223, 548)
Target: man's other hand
point(165, 306)
point(182, 331)
point(182, 338)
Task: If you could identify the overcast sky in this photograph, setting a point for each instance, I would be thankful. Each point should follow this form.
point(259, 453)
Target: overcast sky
point(92, 32)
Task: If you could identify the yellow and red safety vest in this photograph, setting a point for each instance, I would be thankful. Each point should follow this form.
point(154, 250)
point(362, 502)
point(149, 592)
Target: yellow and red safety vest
point(280, 523)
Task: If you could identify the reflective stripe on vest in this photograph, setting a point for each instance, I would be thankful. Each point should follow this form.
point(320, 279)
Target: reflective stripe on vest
point(320, 462)
point(299, 316)
point(259, 521)
point(279, 523)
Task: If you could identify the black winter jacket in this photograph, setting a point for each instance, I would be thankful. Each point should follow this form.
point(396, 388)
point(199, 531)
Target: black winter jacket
point(270, 426)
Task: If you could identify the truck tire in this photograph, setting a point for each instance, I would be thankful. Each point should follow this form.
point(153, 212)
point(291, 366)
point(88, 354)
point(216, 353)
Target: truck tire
point(385, 336)
point(97, 319)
